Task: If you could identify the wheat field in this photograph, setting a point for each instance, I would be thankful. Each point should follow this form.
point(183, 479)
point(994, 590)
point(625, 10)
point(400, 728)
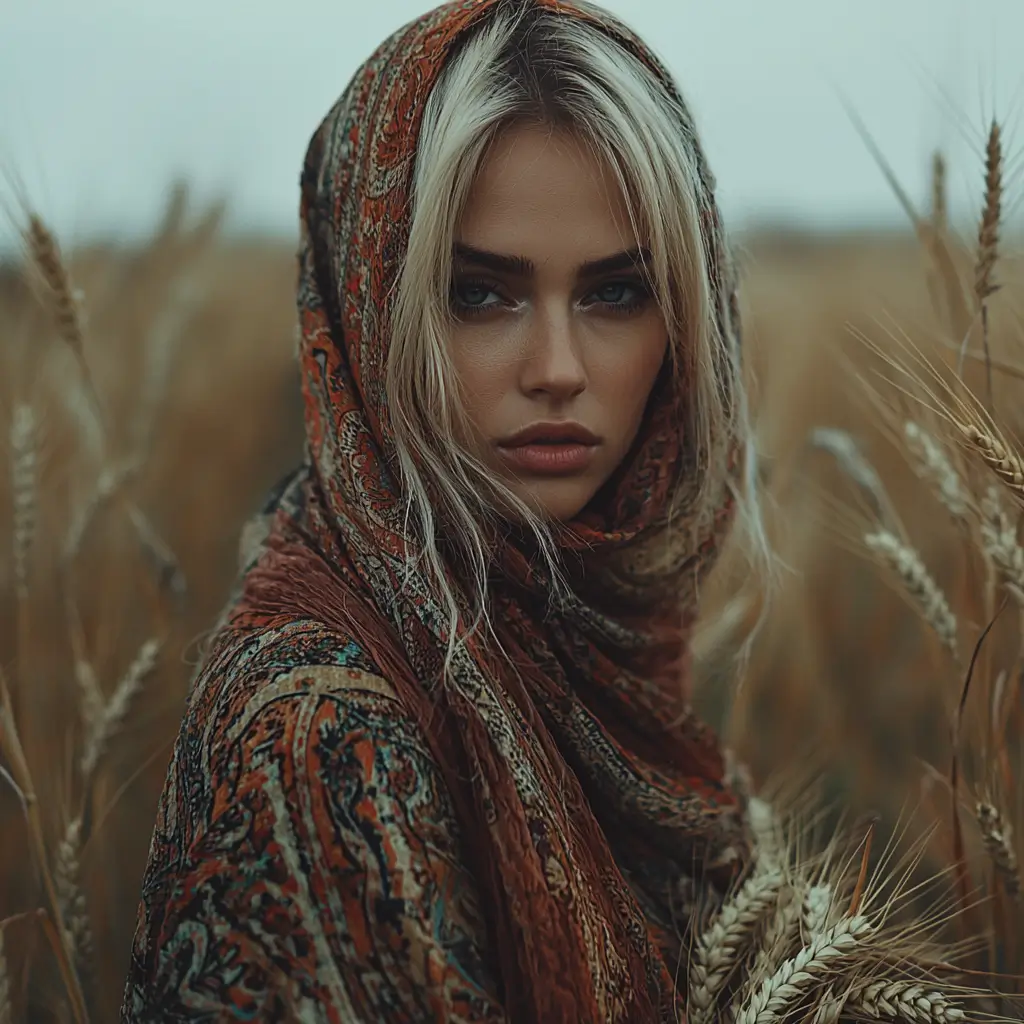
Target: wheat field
point(149, 400)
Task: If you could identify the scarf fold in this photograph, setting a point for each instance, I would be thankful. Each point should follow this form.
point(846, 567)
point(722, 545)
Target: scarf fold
point(590, 798)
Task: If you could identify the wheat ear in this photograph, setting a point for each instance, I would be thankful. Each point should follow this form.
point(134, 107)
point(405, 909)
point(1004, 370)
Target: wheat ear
point(988, 233)
point(67, 880)
point(23, 491)
point(998, 839)
point(817, 905)
point(906, 563)
point(113, 715)
point(902, 1000)
point(764, 826)
point(999, 541)
point(1000, 459)
point(47, 257)
point(933, 466)
point(939, 212)
point(92, 702)
point(67, 312)
point(781, 937)
point(829, 1009)
point(988, 241)
point(720, 948)
point(803, 972)
point(851, 460)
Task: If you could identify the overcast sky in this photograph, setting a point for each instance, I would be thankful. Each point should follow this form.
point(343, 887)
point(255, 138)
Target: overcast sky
point(103, 102)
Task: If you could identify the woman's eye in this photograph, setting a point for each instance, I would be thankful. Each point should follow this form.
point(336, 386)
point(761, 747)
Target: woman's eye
point(475, 295)
point(614, 292)
point(620, 295)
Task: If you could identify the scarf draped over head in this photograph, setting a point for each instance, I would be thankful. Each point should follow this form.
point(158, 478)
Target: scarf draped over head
point(591, 801)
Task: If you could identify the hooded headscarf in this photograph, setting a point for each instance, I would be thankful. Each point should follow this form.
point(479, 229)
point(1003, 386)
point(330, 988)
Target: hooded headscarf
point(591, 801)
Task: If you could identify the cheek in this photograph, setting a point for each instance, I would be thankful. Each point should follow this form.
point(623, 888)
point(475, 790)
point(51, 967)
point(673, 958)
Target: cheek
point(630, 369)
point(485, 368)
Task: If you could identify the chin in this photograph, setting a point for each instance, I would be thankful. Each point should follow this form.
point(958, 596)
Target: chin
point(557, 501)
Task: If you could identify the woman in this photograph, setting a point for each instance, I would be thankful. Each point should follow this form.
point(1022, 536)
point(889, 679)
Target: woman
point(438, 763)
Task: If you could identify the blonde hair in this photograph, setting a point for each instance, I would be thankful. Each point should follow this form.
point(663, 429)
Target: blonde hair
point(530, 64)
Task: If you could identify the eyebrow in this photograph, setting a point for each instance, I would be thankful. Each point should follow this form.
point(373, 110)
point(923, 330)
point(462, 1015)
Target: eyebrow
point(520, 266)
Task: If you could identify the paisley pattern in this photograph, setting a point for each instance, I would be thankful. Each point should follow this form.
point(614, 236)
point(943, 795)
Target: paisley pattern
point(346, 834)
point(328, 862)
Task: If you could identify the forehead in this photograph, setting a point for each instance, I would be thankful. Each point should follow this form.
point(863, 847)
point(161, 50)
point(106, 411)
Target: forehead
point(544, 194)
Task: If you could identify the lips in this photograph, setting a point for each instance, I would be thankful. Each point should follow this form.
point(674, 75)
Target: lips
point(551, 433)
point(549, 449)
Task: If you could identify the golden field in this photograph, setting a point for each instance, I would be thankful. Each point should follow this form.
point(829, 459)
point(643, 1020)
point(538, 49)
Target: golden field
point(136, 443)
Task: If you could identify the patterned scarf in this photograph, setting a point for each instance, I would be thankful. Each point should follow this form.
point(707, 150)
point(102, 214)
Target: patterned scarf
point(591, 800)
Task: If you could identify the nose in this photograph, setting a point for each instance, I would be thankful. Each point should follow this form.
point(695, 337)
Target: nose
point(554, 365)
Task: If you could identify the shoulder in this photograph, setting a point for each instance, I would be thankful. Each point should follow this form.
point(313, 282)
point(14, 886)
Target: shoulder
point(286, 723)
point(300, 702)
point(245, 672)
point(308, 754)
point(319, 814)
point(332, 747)
point(302, 644)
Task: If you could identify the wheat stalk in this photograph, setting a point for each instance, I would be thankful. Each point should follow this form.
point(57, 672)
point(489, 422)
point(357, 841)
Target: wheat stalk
point(110, 482)
point(171, 225)
point(116, 709)
point(829, 1009)
point(851, 460)
point(998, 839)
point(817, 905)
point(67, 880)
point(934, 467)
point(988, 233)
point(764, 827)
point(91, 695)
point(66, 302)
point(186, 291)
point(23, 491)
point(999, 458)
point(999, 542)
point(781, 936)
point(797, 976)
point(988, 241)
point(939, 212)
point(904, 1000)
point(906, 563)
point(720, 947)
point(14, 753)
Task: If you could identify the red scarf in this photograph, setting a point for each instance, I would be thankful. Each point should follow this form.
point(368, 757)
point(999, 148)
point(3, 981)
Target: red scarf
point(590, 798)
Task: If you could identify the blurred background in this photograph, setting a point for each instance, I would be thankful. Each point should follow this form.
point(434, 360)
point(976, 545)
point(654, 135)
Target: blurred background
point(146, 370)
point(103, 102)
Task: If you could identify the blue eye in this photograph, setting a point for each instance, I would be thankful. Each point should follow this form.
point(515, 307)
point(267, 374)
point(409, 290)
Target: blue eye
point(474, 296)
point(619, 296)
point(613, 292)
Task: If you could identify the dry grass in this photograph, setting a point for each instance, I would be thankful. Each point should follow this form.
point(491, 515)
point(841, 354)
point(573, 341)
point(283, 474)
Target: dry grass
point(151, 401)
point(930, 487)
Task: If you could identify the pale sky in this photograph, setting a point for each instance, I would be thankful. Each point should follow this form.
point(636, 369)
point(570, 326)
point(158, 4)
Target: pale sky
point(103, 102)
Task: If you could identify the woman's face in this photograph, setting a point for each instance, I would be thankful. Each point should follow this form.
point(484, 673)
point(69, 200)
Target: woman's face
point(557, 338)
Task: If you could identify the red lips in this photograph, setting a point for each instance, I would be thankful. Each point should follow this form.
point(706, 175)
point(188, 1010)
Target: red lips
point(557, 448)
point(563, 432)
